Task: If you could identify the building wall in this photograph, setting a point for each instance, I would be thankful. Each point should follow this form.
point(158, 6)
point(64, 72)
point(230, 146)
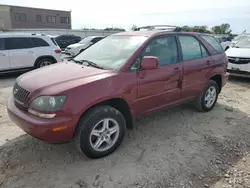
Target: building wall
point(31, 21)
point(5, 20)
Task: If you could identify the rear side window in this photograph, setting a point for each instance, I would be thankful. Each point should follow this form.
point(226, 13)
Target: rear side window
point(213, 42)
point(96, 39)
point(2, 45)
point(40, 42)
point(19, 43)
point(191, 48)
point(54, 41)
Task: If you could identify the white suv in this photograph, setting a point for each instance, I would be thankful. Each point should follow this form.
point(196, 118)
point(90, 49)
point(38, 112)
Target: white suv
point(26, 51)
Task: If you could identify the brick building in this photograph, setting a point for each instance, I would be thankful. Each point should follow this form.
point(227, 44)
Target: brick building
point(16, 17)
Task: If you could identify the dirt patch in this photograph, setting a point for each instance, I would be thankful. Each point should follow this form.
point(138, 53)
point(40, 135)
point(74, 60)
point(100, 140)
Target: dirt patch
point(177, 147)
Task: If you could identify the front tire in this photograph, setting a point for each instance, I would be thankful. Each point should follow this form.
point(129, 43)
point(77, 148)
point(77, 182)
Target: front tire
point(208, 98)
point(100, 132)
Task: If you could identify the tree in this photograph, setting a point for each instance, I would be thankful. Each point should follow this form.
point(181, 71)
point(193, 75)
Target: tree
point(133, 27)
point(222, 29)
point(200, 29)
point(114, 29)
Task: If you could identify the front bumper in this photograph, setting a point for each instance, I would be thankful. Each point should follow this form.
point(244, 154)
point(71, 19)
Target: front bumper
point(242, 70)
point(69, 52)
point(39, 127)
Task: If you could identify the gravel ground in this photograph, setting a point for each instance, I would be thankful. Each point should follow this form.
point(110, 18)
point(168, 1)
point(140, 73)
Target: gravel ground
point(177, 147)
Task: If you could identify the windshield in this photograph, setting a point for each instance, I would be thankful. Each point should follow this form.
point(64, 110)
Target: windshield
point(113, 51)
point(86, 40)
point(244, 43)
point(240, 37)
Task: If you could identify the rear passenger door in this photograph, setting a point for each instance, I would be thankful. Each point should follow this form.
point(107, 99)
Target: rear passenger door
point(4, 56)
point(196, 63)
point(21, 52)
point(41, 47)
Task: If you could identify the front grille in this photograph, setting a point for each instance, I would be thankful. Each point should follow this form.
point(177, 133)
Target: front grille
point(238, 72)
point(238, 60)
point(20, 94)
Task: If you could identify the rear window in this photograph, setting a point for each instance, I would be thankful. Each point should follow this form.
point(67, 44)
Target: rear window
point(213, 42)
point(40, 42)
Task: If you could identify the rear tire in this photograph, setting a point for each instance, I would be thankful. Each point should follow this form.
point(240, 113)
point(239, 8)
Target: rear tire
point(44, 62)
point(100, 132)
point(208, 98)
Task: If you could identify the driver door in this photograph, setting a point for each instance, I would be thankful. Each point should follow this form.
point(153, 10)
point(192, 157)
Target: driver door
point(159, 87)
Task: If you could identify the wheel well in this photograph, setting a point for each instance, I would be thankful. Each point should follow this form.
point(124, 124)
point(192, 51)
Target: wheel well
point(122, 106)
point(45, 57)
point(217, 79)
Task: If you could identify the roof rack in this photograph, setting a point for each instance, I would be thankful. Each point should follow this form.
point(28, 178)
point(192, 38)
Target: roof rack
point(159, 27)
point(38, 34)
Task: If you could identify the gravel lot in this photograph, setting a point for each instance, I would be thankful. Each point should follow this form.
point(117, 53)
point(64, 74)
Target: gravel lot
point(177, 147)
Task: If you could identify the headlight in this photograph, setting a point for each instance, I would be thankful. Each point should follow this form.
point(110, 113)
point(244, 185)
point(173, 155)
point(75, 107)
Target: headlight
point(47, 103)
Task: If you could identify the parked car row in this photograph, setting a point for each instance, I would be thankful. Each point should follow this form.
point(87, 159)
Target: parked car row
point(75, 49)
point(73, 45)
point(65, 40)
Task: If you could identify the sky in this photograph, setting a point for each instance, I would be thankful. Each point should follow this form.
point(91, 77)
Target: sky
point(108, 13)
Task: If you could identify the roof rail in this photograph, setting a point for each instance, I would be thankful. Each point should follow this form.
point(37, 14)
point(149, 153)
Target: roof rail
point(38, 34)
point(159, 27)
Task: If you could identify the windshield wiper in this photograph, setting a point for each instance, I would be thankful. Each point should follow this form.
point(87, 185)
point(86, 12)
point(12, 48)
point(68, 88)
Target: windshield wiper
point(236, 46)
point(92, 64)
point(89, 63)
point(78, 62)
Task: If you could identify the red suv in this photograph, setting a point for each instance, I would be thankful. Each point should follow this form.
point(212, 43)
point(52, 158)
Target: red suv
point(94, 97)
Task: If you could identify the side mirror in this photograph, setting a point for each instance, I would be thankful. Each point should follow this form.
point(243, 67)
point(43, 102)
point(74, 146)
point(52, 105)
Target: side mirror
point(149, 63)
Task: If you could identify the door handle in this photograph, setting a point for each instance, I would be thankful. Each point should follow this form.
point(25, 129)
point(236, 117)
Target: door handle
point(176, 69)
point(2, 54)
point(30, 52)
point(208, 62)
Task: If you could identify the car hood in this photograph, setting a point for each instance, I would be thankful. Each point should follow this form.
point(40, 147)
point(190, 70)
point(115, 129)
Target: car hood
point(77, 45)
point(238, 52)
point(60, 77)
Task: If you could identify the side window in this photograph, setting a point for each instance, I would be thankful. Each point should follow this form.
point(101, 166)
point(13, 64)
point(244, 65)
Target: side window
point(204, 51)
point(19, 43)
point(2, 45)
point(40, 42)
point(213, 42)
point(190, 48)
point(95, 39)
point(165, 48)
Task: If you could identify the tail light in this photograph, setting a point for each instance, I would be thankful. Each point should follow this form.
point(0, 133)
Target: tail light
point(58, 51)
